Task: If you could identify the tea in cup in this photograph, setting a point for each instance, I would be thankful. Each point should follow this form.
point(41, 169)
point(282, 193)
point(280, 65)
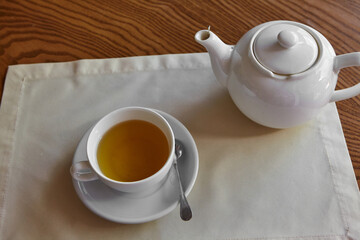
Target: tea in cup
point(130, 149)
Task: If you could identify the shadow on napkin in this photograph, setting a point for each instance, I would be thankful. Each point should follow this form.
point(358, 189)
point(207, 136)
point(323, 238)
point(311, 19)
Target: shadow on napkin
point(217, 115)
point(64, 200)
point(66, 205)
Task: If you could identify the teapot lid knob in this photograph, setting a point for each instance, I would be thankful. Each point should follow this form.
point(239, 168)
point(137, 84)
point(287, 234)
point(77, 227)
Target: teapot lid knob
point(287, 38)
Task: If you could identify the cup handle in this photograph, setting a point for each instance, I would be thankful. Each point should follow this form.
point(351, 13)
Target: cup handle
point(341, 61)
point(83, 172)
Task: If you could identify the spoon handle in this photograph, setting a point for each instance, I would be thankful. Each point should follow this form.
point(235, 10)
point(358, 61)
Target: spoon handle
point(185, 210)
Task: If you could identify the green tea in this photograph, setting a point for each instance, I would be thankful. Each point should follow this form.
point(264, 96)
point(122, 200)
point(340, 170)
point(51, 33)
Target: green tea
point(132, 150)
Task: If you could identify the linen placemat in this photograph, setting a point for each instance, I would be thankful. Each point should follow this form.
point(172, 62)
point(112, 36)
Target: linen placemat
point(253, 183)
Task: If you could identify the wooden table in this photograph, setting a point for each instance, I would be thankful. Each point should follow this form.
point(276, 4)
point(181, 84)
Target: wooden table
point(36, 31)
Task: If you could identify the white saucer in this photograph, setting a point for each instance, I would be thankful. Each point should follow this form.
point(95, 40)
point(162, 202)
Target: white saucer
point(134, 207)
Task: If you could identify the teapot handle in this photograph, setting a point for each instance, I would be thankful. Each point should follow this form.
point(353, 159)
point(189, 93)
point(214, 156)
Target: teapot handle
point(341, 61)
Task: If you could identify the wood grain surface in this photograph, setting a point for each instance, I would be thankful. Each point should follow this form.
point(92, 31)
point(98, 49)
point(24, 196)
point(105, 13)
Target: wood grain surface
point(36, 31)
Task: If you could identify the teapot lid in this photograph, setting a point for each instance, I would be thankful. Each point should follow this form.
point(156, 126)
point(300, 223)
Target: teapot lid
point(285, 48)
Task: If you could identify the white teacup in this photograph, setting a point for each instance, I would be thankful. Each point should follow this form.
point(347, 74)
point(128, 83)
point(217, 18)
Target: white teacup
point(89, 170)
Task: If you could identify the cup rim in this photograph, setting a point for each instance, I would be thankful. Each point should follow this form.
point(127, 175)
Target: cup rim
point(169, 160)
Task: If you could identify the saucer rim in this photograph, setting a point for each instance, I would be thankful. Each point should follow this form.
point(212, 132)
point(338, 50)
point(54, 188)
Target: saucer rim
point(159, 214)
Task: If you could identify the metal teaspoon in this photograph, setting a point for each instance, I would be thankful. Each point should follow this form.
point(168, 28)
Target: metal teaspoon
point(185, 210)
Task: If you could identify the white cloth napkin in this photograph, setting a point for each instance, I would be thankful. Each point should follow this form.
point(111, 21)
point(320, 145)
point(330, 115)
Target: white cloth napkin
point(254, 182)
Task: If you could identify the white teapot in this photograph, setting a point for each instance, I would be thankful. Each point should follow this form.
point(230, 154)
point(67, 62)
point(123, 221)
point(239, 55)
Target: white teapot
point(280, 73)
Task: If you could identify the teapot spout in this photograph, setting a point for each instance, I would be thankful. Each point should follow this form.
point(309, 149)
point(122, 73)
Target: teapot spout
point(219, 52)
